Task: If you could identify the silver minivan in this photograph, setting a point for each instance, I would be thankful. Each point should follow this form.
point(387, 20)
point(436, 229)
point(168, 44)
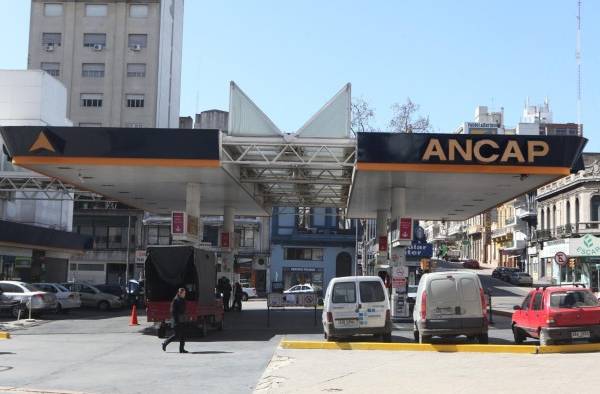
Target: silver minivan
point(449, 304)
point(356, 305)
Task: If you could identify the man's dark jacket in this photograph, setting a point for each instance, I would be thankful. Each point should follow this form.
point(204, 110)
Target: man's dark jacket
point(177, 309)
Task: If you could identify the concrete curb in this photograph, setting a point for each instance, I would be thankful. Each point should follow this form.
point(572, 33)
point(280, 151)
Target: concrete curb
point(4, 335)
point(441, 348)
point(411, 347)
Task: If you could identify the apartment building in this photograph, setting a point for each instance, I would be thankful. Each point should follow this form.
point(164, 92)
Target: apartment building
point(120, 60)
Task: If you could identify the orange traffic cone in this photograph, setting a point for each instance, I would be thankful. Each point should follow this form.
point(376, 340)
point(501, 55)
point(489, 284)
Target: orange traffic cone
point(134, 321)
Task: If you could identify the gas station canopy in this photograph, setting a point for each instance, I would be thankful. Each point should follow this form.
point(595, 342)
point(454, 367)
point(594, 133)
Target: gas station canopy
point(254, 166)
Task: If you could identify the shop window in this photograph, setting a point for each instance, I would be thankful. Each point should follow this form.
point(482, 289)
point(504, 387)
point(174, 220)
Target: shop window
point(91, 267)
point(314, 254)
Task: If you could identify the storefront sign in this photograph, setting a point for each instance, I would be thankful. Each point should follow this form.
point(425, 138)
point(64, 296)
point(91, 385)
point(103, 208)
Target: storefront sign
point(383, 243)
point(224, 240)
point(419, 250)
point(177, 222)
point(586, 246)
point(405, 229)
point(140, 257)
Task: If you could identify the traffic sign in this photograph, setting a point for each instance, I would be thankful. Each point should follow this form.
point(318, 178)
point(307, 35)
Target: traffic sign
point(560, 258)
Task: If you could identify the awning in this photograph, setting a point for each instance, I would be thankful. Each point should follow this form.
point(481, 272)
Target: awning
point(27, 236)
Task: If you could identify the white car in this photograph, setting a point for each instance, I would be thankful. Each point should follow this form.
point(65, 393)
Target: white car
point(356, 305)
point(301, 289)
point(36, 300)
point(66, 299)
point(249, 292)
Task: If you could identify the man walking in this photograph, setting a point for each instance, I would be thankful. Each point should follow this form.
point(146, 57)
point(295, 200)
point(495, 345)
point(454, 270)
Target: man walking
point(178, 312)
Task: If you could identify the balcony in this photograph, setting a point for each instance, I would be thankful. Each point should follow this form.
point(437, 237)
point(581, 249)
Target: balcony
point(456, 229)
point(502, 234)
point(510, 221)
point(475, 229)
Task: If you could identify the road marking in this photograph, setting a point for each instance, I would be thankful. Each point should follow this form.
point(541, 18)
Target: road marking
point(4, 335)
point(25, 390)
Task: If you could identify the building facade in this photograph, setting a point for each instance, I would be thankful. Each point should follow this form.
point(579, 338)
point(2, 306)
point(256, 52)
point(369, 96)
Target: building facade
point(311, 245)
point(119, 60)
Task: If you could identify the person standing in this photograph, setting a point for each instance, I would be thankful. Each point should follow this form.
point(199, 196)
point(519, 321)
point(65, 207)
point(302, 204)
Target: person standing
point(238, 294)
point(226, 294)
point(178, 313)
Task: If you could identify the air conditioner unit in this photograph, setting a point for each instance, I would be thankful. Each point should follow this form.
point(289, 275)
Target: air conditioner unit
point(136, 47)
point(98, 47)
point(49, 47)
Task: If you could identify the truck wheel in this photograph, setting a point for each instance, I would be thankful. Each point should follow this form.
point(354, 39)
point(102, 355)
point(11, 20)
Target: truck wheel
point(544, 341)
point(483, 339)
point(162, 330)
point(518, 335)
point(387, 337)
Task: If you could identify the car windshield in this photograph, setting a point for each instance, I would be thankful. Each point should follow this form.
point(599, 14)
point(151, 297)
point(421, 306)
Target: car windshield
point(29, 287)
point(61, 287)
point(572, 299)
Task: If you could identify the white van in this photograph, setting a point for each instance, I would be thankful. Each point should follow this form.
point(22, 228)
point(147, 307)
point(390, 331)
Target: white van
point(356, 305)
point(449, 304)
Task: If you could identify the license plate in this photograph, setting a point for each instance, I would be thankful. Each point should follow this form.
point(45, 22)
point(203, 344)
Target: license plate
point(580, 334)
point(346, 322)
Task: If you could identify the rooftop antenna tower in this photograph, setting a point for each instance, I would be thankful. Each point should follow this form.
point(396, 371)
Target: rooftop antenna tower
point(578, 58)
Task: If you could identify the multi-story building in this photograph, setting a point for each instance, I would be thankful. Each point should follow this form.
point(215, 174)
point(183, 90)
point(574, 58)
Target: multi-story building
point(120, 60)
point(36, 213)
point(311, 245)
point(569, 222)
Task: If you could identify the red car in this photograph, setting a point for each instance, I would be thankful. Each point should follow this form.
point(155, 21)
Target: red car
point(470, 263)
point(557, 314)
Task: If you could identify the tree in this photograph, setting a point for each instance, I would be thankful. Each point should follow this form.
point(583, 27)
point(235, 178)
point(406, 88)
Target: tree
point(362, 115)
point(403, 119)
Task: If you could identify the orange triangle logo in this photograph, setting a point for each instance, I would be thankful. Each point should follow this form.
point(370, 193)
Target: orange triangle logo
point(42, 142)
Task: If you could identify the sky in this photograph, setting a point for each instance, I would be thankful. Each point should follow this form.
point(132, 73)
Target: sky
point(448, 56)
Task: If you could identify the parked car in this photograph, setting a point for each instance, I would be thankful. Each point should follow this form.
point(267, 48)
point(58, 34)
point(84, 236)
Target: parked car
point(521, 278)
point(471, 263)
point(10, 305)
point(114, 289)
point(34, 299)
point(507, 272)
point(91, 296)
point(66, 299)
point(249, 292)
point(356, 305)
point(555, 314)
point(450, 304)
point(303, 288)
point(136, 292)
point(497, 272)
point(412, 297)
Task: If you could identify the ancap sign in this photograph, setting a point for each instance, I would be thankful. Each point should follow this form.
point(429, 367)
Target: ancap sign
point(484, 151)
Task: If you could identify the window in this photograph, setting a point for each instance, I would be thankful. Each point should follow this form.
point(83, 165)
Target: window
point(135, 100)
point(91, 40)
point(577, 214)
point(51, 39)
point(158, 235)
point(470, 291)
point(568, 213)
point(537, 302)
point(90, 125)
point(96, 9)
point(134, 125)
point(136, 70)
point(10, 288)
point(315, 254)
point(344, 293)
point(51, 68)
point(138, 11)
point(595, 208)
point(90, 267)
point(526, 301)
point(92, 70)
point(117, 237)
point(91, 99)
point(53, 9)
point(371, 291)
point(572, 299)
point(135, 40)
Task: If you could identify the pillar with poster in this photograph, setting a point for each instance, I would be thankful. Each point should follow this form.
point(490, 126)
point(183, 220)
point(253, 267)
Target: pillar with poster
point(400, 309)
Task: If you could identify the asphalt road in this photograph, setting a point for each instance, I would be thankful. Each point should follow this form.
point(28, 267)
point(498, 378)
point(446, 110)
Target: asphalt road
point(92, 352)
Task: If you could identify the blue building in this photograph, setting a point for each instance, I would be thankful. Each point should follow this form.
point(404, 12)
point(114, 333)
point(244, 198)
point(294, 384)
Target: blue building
point(311, 245)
